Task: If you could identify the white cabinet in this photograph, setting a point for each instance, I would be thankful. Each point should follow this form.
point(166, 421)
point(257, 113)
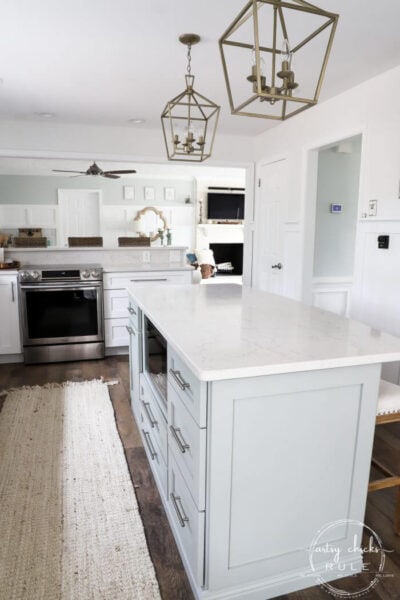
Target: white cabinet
point(133, 329)
point(116, 299)
point(10, 342)
point(153, 427)
point(226, 473)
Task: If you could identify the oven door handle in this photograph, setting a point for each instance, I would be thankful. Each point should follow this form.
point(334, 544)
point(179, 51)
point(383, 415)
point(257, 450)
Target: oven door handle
point(59, 288)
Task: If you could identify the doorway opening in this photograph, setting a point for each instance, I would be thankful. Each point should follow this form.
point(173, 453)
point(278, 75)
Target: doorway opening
point(334, 176)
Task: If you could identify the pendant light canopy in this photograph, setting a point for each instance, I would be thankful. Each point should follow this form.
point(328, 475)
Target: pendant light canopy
point(274, 57)
point(189, 120)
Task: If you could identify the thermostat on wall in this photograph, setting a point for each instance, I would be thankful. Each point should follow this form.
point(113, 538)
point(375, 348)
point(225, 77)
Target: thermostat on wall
point(336, 208)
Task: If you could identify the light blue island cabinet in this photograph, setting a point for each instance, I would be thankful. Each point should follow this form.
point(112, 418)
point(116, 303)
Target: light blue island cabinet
point(257, 414)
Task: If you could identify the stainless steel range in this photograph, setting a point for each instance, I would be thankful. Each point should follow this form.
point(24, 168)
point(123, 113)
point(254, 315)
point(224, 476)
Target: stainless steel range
point(61, 312)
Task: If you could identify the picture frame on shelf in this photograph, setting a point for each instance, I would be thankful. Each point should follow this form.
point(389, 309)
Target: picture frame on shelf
point(169, 194)
point(149, 194)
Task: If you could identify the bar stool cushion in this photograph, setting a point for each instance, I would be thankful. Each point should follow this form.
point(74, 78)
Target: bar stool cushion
point(389, 398)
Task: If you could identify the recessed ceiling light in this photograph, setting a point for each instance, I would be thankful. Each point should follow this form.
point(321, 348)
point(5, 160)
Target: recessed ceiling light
point(136, 121)
point(45, 115)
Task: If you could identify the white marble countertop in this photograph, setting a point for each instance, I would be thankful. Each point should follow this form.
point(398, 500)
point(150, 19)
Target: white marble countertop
point(229, 331)
point(139, 268)
point(11, 249)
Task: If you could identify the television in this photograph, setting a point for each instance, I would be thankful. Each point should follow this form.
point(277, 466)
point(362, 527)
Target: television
point(225, 206)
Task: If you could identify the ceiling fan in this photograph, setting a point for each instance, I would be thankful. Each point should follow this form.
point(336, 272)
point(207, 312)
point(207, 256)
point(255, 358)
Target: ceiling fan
point(94, 169)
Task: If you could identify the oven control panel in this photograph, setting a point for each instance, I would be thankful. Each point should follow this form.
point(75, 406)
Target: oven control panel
point(60, 273)
point(29, 275)
point(91, 274)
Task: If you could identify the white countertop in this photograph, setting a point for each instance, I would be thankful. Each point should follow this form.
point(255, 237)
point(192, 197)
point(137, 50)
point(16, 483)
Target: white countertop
point(121, 249)
point(139, 268)
point(8, 271)
point(229, 331)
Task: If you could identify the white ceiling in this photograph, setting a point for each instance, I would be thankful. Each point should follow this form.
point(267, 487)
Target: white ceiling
point(105, 62)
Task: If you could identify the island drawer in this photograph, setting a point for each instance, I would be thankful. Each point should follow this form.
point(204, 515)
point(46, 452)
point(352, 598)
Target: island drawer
point(134, 313)
point(153, 417)
point(188, 443)
point(190, 390)
point(188, 523)
point(154, 455)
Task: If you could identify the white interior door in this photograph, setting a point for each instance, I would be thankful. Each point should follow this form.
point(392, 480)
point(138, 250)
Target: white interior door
point(271, 202)
point(79, 213)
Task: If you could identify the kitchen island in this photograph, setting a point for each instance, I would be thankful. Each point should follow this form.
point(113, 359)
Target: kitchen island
point(264, 437)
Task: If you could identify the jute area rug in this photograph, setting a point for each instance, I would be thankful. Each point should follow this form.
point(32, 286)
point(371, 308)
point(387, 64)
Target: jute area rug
point(70, 527)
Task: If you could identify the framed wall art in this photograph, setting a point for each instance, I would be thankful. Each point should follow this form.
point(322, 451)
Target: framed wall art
point(149, 194)
point(169, 194)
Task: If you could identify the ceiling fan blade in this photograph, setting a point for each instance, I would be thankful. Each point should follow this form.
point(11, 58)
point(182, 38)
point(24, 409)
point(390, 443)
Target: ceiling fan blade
point(109, 175)
point(121, 172)
point(64, 171)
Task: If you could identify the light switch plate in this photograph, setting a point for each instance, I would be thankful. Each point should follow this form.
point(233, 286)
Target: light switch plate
point(145, 256)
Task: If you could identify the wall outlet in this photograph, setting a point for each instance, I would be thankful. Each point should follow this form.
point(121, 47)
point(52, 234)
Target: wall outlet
point(145, 256)
point(372, 208)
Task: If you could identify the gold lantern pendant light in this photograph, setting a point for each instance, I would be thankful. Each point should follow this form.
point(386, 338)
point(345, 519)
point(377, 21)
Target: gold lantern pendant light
point(262, 30)
point(189, 120)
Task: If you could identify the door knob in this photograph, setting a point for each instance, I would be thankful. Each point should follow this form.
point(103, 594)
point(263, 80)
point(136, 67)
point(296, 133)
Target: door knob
point(277, 266)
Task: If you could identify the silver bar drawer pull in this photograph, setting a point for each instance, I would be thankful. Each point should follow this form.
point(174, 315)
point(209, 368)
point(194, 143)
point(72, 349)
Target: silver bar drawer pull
point(176, 501)
point(131, 310)
point(12, 292)
point(146, 406)
point(149, 444)
point(177, 375)
point(178, 437)
point(144, 280)
point(130, 330)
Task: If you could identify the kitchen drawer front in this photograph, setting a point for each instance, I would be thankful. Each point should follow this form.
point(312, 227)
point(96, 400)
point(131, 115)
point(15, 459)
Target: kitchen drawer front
point(116, 333)
point(155, 421)
point(123, 280)
point(117, 281)
point(191, 390)
point(115, 304)
point(188, 443)
point(154, 455)
point(188, 522)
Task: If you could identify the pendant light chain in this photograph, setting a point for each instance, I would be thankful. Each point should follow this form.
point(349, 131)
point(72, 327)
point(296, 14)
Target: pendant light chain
point(189, 137)
point(189, 59)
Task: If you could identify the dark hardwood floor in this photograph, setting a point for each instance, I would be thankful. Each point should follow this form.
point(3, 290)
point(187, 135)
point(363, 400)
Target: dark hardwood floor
point(171, 576)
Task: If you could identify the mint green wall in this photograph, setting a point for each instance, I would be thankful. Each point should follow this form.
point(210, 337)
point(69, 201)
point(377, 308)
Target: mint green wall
point(38, 189)
point(338, 183)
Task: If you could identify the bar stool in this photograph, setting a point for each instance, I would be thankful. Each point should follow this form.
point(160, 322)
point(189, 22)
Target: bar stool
point(84, 242)
point(388, 412)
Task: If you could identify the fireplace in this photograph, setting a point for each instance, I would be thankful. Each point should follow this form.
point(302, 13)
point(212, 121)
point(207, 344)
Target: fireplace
point(226, 255)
